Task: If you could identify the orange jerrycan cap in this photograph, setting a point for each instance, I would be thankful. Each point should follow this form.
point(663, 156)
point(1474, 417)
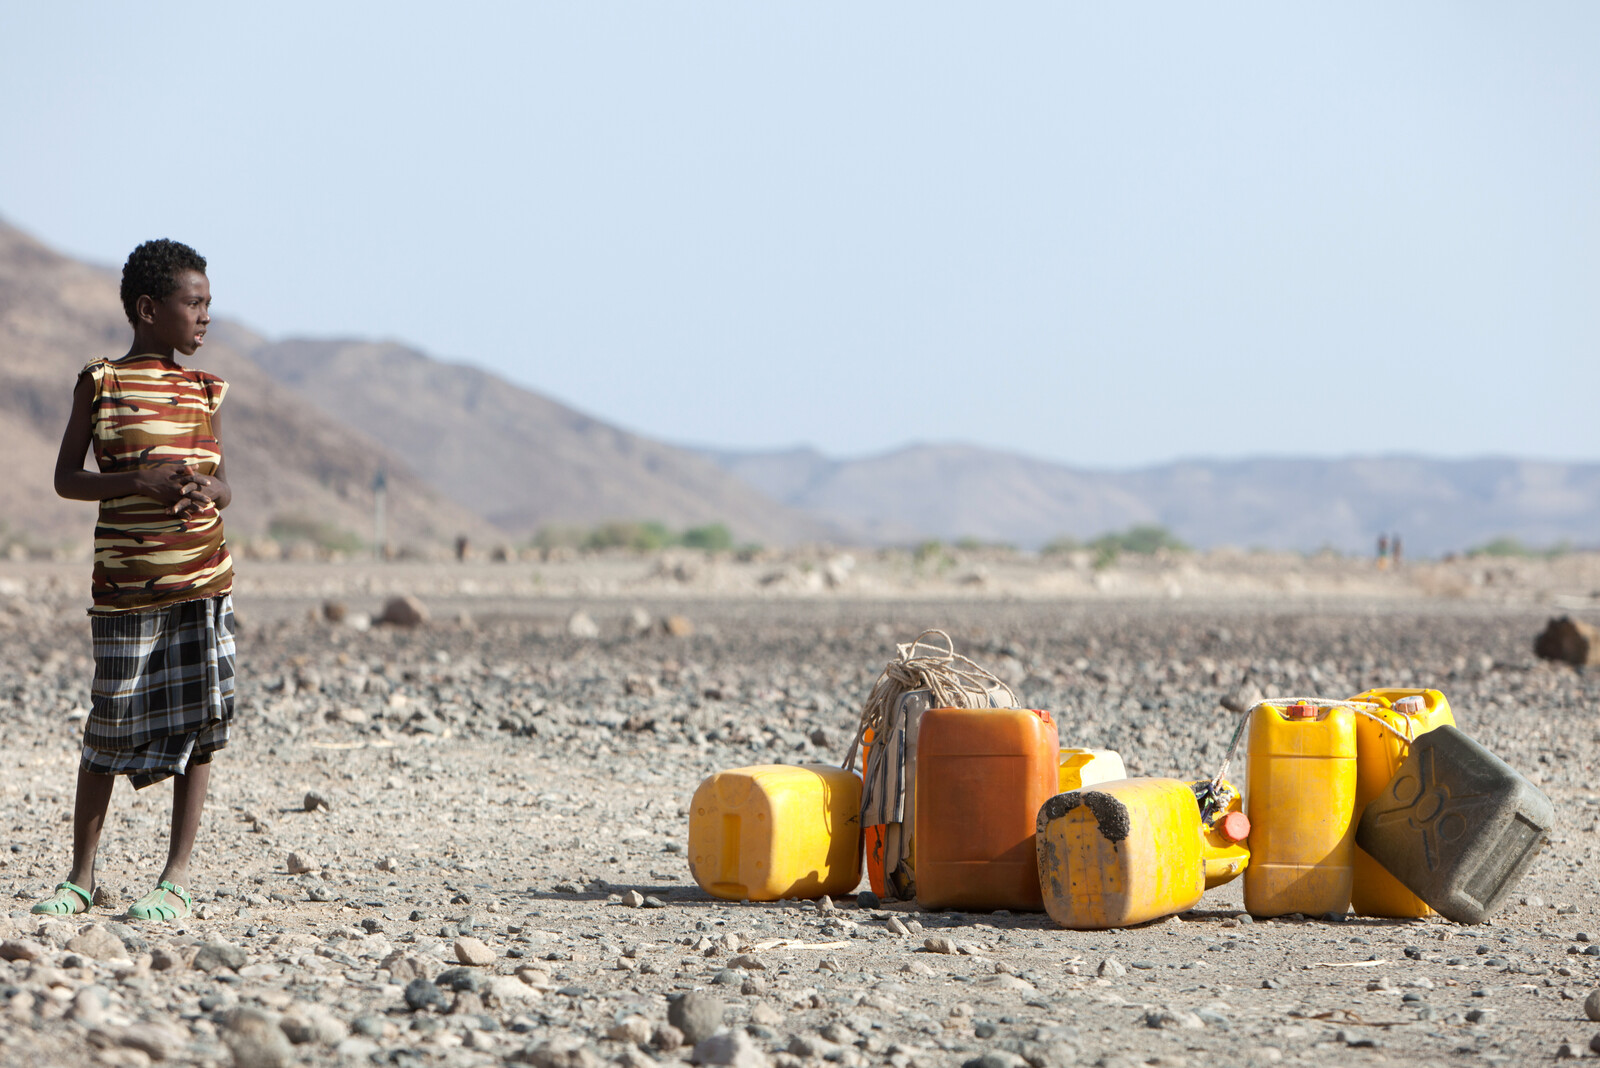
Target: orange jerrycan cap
point(1300, 711)
point(1235, 826)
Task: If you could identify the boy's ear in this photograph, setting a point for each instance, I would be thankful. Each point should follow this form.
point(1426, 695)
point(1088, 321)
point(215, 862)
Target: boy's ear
point(145, 308)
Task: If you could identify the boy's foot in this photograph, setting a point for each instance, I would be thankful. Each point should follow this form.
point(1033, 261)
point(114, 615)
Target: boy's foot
point(168, 901)
point(68, 900)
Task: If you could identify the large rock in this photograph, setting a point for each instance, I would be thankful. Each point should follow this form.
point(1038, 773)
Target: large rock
point(1569, 640)
point(97, 942)
point(256, 1041)
point(697, 1015)
point(404, 611)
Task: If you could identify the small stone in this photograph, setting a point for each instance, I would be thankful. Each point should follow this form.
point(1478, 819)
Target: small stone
point(166, 959)
point(1111, 968)
point(582, 625)
point(404, 967)
point(635, 1029)
point(299, 864)
point(255, 1040)
point(696, 1015)
point(866, 899)
point(89, 1005)
point(1483, 1016)
point(107, 898)
point(1591, 1005)
point(474, 952)
point(313, 1023)
point(21, 949)
point(1594, 1044)
point(314, 801)
point(424, 994)
point(938, 944)
point(735, 1048)
point(678, 626)
point(633, 899)
point(388, 864)
point(1242, 696)
point(747, 961)
point(666, 1037)
point(215, 955)
point(897, 926)
point(97, 942)
point(1173, 1019)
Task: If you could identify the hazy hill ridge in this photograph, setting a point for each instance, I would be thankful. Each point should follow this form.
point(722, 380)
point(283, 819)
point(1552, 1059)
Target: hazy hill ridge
point(519, 458)
point(954, 491)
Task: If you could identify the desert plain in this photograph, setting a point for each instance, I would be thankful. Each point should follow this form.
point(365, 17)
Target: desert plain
point(461, 842)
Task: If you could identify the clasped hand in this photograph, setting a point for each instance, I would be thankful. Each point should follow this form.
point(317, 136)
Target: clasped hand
point(183, 490)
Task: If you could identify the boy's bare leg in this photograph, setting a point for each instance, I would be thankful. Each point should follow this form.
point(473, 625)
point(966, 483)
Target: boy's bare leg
point(88, 819)
point(188, 800)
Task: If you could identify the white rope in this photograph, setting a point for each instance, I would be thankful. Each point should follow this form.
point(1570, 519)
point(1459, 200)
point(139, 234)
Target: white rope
point(923, 664)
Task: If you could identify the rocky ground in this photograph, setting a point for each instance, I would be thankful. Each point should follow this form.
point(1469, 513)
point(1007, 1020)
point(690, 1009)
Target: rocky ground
point(461, 843)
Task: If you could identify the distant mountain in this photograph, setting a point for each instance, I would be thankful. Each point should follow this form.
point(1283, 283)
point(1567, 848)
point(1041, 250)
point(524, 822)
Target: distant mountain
point(519, 458)
point(285, 460)
point(955, 491)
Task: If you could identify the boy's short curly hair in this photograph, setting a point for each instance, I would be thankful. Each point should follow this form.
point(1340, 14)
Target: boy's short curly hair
point(151, 271)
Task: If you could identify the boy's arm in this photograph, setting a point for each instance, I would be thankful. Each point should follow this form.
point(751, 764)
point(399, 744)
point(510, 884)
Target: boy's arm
point(74, 482)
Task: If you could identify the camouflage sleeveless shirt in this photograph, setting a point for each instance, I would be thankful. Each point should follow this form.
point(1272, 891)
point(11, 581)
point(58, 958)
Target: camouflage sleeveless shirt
point(148, 411)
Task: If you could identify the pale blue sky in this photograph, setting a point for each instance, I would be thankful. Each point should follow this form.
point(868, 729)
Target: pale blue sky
point(1105, 234)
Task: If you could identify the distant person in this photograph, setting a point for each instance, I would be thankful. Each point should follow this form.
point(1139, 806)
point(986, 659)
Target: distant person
point(1394, 550)
point(1383, 551)
point(161, 702)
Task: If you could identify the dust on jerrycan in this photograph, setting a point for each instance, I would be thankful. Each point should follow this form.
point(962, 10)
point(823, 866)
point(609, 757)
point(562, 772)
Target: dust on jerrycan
point(1121, 853)
point(1383, 737)
point(982, 774)
point(776, 830)
point(1457, 825)
point(1301, 805)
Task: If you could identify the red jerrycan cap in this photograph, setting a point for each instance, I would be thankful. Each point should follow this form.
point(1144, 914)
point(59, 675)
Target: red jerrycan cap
point(1300, 712)
point(1235, 826)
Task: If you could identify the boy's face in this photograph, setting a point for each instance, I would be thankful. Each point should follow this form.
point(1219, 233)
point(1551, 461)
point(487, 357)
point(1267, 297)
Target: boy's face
point(178, 321)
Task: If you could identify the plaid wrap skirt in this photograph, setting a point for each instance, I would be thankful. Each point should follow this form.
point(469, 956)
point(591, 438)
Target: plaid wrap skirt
point(162, 697)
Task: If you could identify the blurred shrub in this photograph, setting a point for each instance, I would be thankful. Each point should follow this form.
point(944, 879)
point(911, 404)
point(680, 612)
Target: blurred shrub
point(300, 529)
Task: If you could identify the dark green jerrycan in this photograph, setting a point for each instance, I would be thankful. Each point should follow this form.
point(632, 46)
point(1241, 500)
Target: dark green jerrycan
point(1457, 826)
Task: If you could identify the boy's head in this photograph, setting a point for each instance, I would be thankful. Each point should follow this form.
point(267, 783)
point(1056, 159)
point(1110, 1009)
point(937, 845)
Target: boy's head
point(152, 271)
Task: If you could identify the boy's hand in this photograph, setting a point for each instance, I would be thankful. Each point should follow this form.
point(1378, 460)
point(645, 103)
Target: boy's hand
point(165, 483)
point(199, 492)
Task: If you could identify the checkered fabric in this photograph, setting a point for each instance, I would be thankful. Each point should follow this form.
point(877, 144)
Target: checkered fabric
point(162, 696)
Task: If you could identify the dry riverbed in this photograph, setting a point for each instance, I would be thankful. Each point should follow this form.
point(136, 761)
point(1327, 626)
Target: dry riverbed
point(462, 843)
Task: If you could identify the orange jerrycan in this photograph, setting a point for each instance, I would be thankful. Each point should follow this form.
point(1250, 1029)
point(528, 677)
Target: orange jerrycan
point(775, 830)
point(982, 774)
point(1301, 805)
point(1086, 767)
point(1120, 853)
point(1225, 831)
point(1388, 722)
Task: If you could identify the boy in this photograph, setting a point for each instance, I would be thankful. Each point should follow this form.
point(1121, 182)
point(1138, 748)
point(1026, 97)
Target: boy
point(162, 697)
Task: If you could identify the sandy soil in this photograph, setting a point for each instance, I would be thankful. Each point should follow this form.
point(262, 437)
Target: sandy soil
point(491, 775)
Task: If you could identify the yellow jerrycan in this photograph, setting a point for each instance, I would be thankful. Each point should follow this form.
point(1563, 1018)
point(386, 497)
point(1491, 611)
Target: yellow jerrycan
point(1388, 721)
point(1086, 767)
point(1301, 805)
point(1120, 853)
point(776, 830)
point(1225, 831)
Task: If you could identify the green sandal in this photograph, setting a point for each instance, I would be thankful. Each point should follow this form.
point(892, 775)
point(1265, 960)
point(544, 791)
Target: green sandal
point(68, 900)
point(153, 906)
